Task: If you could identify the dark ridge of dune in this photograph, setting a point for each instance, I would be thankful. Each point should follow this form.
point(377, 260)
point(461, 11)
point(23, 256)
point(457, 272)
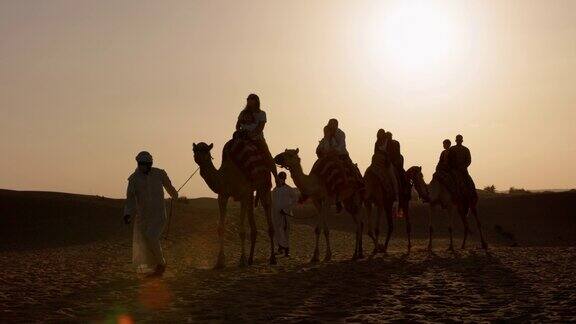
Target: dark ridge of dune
point(30, 220)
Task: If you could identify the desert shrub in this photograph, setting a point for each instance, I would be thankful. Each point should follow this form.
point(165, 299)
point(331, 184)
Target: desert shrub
point(183, 199)
point(515, 191)
point(490, 189)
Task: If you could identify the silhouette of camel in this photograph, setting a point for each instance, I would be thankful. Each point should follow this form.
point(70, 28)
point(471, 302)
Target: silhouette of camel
point(379, 192)
point(229, 181)
point(439, 198)
point(312, 186)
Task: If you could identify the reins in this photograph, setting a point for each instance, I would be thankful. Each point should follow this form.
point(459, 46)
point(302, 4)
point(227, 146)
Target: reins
point(171, 212)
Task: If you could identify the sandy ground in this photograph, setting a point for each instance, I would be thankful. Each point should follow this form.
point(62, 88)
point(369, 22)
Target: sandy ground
point(94, 281)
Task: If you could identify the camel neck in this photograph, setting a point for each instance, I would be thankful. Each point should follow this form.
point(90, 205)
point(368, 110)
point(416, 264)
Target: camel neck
point(211, 175)
point(300, 179)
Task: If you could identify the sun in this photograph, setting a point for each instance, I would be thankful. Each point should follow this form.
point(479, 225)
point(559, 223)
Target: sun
point(410, 39)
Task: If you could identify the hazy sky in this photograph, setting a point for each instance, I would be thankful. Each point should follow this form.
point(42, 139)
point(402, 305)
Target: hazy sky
point(85, 85)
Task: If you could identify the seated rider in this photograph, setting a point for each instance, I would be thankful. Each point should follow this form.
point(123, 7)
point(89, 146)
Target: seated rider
point(251, 122)
point(381, 149)
point(443, 169)
point(443, 163)
point(459, 159)
point(334, 141)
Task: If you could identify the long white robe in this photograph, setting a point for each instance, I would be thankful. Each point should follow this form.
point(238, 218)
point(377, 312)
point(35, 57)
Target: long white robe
point(145, 202)
point(284, 198)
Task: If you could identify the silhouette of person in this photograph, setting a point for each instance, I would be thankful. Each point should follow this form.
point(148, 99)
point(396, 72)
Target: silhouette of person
point(397, 161)
point(338, 139)
point(325, 146)
point(443, 162)
point(381, 149)
point(284, 198)
point(145, 203)
point(460, 159)
point(250, 123)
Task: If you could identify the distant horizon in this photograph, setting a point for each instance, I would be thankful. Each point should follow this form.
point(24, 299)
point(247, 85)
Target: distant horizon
point(215, 196)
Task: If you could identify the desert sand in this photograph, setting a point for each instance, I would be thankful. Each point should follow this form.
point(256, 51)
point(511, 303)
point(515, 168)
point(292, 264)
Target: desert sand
point(67, 258)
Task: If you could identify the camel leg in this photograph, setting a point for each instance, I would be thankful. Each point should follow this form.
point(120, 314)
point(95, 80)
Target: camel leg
point(328, 255)
point(361, 235)
point(379, 216)
point(268, 211)
point(358, 253)
point(242, 233)
point(474, 211)
point(464, 216)
point(356, 242)
point(316, 256)
point(222, 202)
point(372, 231)
point(253, 232)
point(451, 211)
point(408, 226)
point(390, 222)
point(432, 212)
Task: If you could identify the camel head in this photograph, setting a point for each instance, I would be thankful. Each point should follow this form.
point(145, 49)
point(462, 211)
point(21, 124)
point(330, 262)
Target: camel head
point(202, 153)
point(288, 159)
point(416, 178)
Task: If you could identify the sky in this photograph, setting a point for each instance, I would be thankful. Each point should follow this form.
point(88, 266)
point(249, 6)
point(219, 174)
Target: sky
point(86, 85)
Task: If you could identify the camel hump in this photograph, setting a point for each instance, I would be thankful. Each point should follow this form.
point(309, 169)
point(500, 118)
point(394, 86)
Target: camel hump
point(250, 159)
point(341, 178)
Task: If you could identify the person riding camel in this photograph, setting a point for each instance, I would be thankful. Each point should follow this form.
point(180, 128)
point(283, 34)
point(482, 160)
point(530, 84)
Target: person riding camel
point(459, 159)
point(381, 150)
point(444, 170)
point(444, 163)
point(397, 161)
point(250, 125)
point(333, 142)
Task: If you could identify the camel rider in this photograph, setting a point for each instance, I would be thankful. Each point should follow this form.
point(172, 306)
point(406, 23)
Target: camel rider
point(393, 149)
point(333, 142)
point(459, 159)
point(444, 171)
point(250, 124)
point(443, 163)
point(381, 149)
point(397, 161)
point(325, 146)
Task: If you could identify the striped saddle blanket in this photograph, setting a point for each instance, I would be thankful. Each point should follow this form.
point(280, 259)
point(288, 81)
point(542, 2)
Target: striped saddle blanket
point(342, 178)
point(249, 158)
point(379, 167)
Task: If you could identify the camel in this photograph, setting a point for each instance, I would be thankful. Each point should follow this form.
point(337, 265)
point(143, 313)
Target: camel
point(439, 197)
point(312, 186)
point(227, 182)
point(381, 194)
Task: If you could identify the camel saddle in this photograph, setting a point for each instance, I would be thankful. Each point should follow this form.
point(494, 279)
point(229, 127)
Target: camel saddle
point(249, 158)
point(341, 177)
point(379, 167)
point(459, 185)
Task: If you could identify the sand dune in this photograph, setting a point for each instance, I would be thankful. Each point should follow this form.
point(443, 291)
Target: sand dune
point(67, 258)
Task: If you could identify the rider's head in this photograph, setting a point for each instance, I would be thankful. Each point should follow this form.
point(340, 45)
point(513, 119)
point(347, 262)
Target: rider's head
point(333, 123)
point(446, 143)
point(328, 131)
point(253, 102)
point(389, 135)
point(459, 139)
point(381, 134)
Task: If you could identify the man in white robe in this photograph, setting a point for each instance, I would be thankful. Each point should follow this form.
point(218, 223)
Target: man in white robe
point(284, 198)
point(145, 203)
